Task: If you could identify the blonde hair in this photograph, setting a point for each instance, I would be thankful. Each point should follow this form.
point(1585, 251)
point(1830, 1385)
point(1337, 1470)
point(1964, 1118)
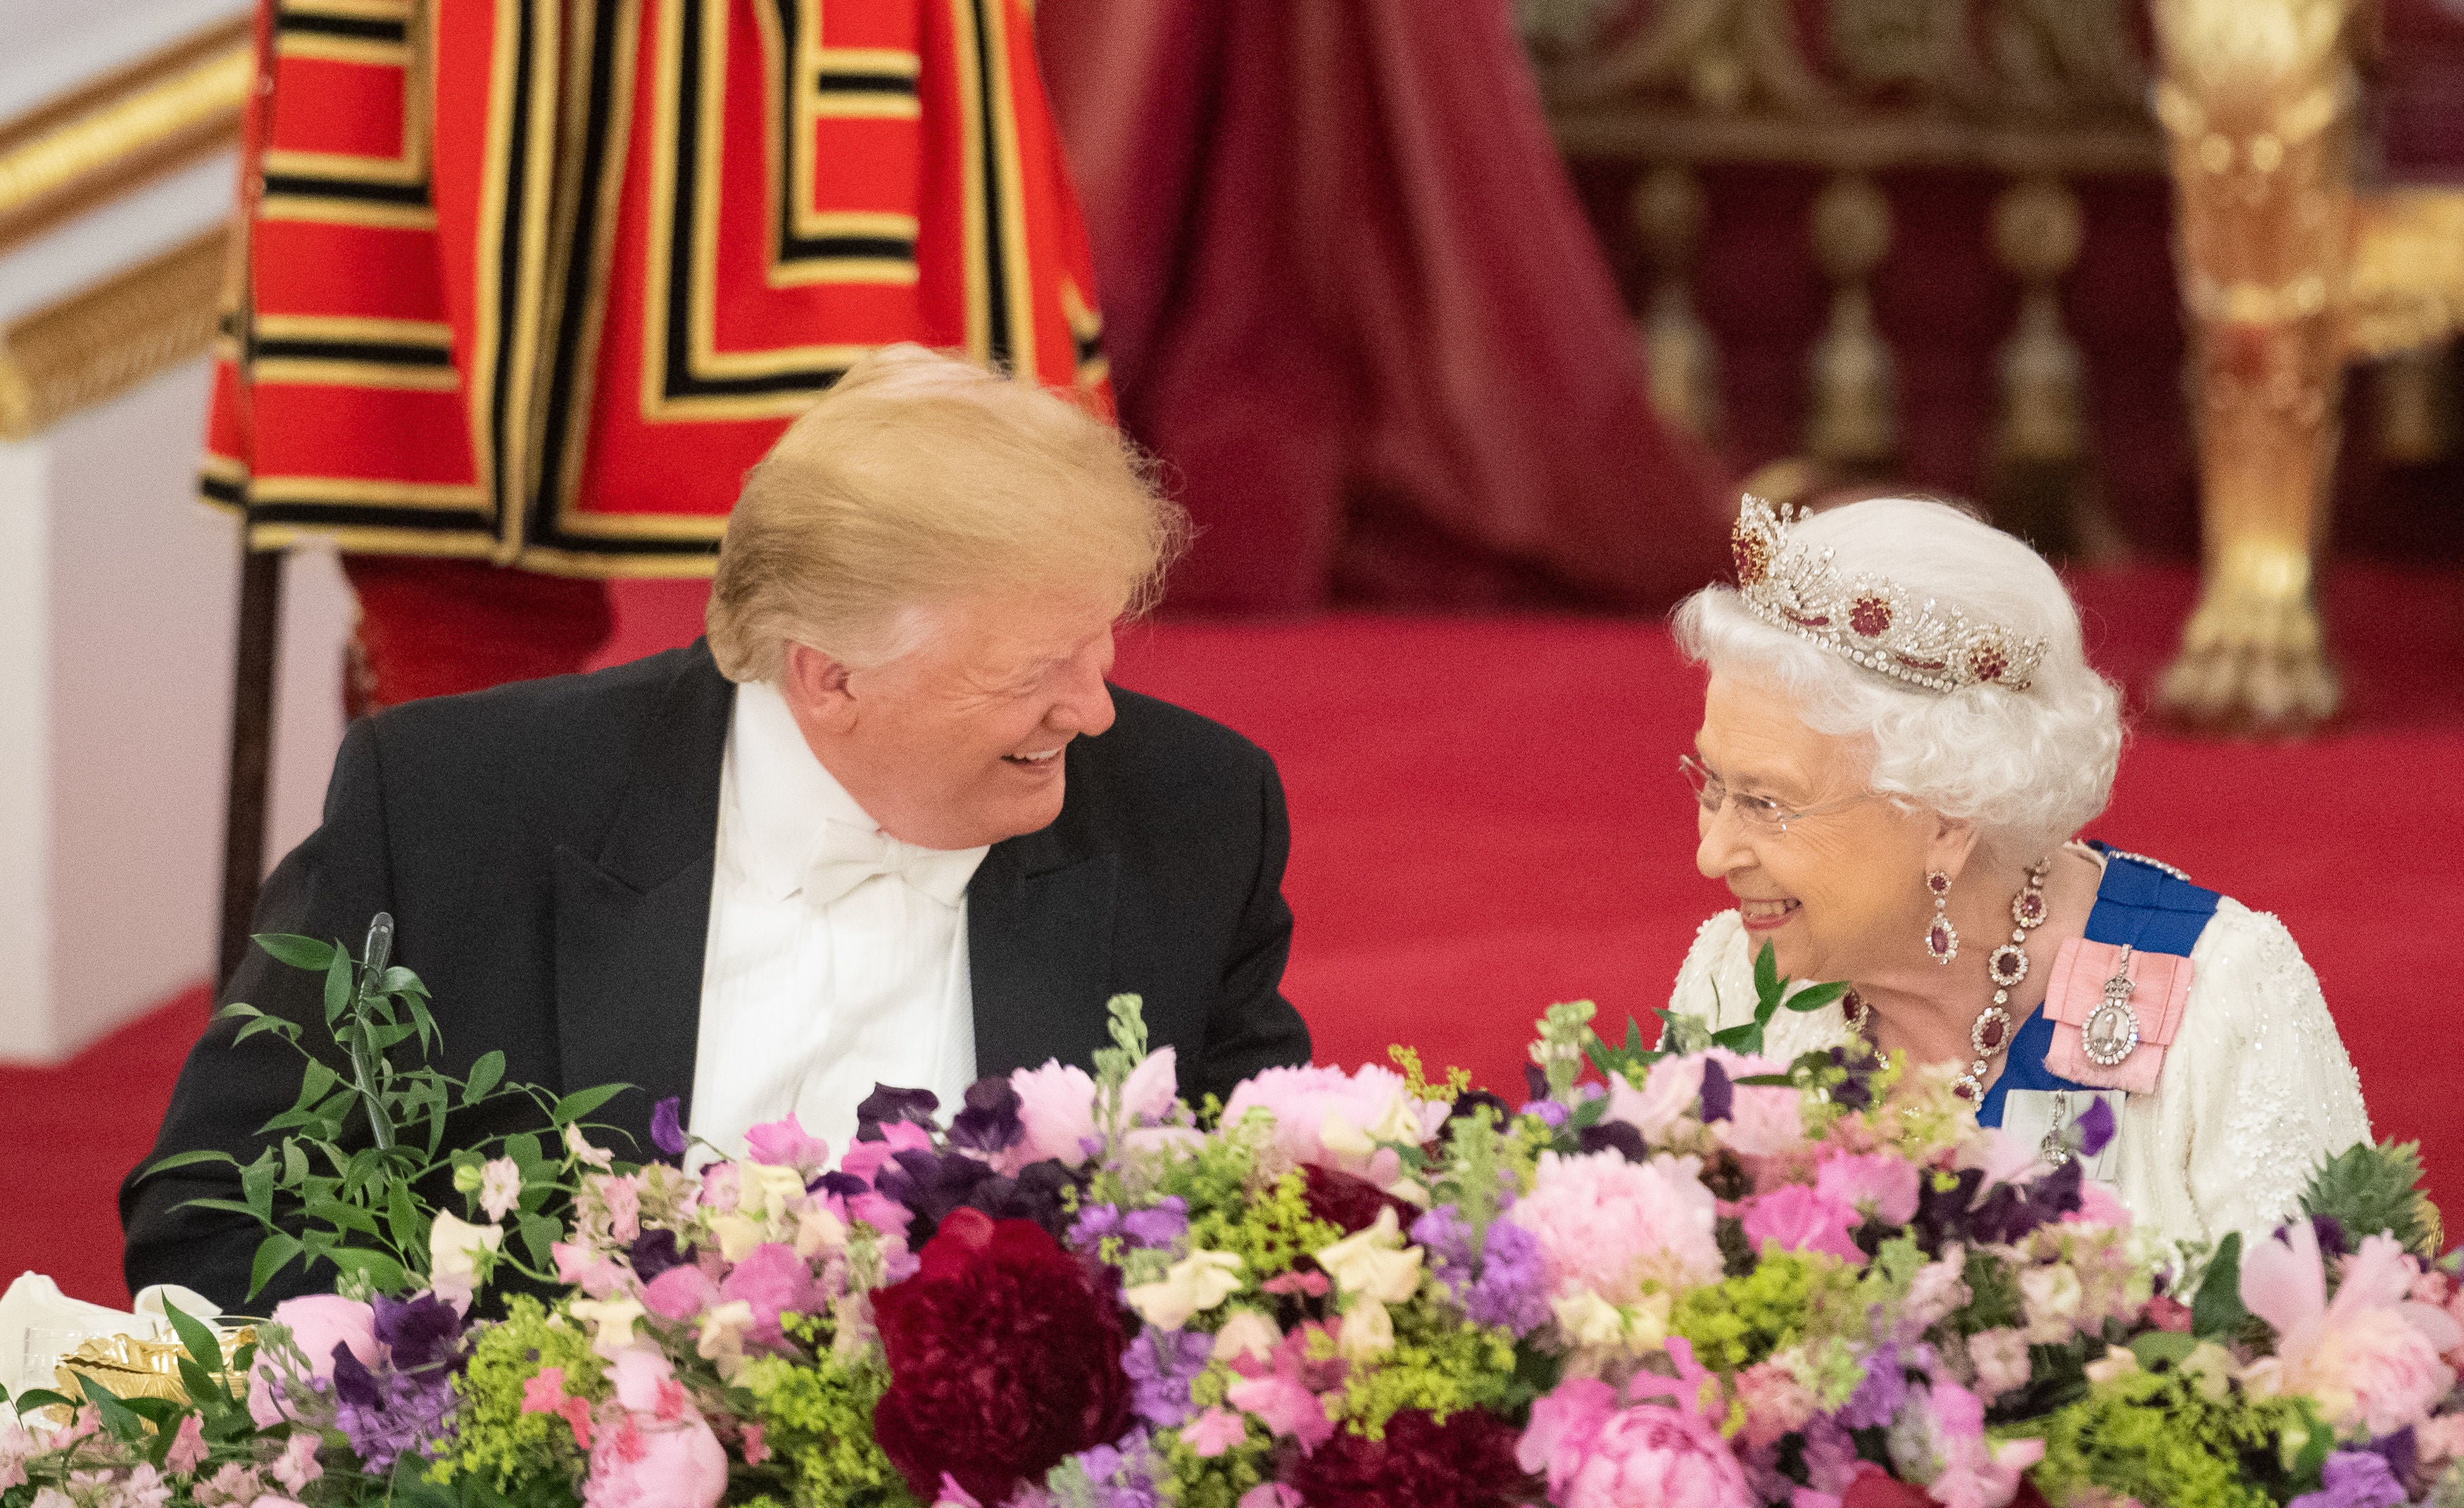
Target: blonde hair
point(2030, 768)
point(918, 478)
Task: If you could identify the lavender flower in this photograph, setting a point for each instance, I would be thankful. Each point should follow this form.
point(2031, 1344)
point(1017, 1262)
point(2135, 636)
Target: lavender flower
point(1129, 1475)
point(1878, 1399)
point(2354, 1480)
point(389, 1413)
point(1154, 1230)
point(1162, 1365)
point(1446, 1237)
point(1510, 1291)
point(2095, 1127)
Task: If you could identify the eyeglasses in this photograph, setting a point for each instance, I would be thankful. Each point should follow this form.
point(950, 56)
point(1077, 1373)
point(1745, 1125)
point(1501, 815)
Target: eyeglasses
point(1758, 811)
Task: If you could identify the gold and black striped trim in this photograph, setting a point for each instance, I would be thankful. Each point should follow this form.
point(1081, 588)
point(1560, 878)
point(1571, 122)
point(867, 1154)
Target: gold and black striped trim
point(814, 245)
point(333, 350)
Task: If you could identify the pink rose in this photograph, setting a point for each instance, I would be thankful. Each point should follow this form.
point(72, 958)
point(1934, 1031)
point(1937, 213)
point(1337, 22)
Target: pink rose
point(319, 1323)
point(1876, 1184)
point(783, 1144)
point(2372, 1355)
point(1056, 1105)
point(1608, 1226)
point(1800, 1219)
point(1597, 1455)
point(653, 1465)
point(1776, 1403)
point(1327, 1118)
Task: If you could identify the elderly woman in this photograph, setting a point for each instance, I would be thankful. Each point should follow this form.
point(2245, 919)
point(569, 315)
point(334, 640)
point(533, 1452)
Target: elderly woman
point(1899, 738)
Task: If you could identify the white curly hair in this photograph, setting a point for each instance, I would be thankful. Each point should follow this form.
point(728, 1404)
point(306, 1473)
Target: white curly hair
point(2028, 768)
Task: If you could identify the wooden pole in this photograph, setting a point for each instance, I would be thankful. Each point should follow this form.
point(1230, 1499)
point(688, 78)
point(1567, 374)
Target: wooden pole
point(251, 748)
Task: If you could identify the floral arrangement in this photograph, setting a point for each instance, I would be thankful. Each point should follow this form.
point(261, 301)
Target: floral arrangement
point(1684, 1275)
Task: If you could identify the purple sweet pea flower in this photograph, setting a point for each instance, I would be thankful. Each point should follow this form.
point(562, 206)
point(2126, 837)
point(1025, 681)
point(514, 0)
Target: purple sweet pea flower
point(1719, 1095)
point(2401, 1450)
point(1446, 1237)
point(990, 1122)
point(654, 1251)
point(2095, 1127)
point(667, 1127)
point(423, 1333)
point(886, 1104)
point(1615, 1136)
point(2354, 1480)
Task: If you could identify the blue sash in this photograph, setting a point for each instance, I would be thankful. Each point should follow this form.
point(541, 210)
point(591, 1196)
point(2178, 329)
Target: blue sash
point(2154, 910)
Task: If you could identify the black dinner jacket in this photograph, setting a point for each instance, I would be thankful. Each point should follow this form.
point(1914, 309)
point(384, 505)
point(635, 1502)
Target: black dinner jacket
point(546, 851)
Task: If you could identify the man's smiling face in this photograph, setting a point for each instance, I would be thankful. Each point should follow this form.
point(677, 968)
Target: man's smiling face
point(960, 741)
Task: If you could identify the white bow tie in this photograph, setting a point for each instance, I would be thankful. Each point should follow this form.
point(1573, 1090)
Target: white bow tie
point(849, 855)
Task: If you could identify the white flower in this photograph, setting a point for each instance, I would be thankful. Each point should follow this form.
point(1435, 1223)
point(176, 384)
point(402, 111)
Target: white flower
point(454, 1248)
point(737, 1234)
point(1588, 1319)
point(768, 1191)
point(1368, 1331)
point(1195, 1283)
point(1248, 1333)
point(500, 1186)
point(722, 1336)
point(819, 1231)
point(2116, 1361)
point(611, 1321)
point(1374, 1263)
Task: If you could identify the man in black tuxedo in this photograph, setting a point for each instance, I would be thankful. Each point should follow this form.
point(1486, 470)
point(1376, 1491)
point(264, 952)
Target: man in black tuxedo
point(888, 822)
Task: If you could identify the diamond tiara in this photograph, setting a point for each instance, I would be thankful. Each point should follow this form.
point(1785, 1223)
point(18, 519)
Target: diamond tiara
point(1867, 618)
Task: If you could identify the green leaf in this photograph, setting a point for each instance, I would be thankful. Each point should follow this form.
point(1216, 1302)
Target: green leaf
point(1745, 1038)
point(485, 1075)
point(381, 1271)
point(582, 1102)
point(33, 1398)
point(344, 1216)
point(2161, 1346)
point(123, 1422)
point(227, 1206)
point(539, 1233)
point(257, 1184)
point(237, 1011)
point(1814, 997)
point(398, 980)
point(272, 1255)
point(195, 1338)
point(2218, 1310)
point(402, 1219)
point(300, 953)
point(338, 987)
point(295, 1164)
point(188, 1160)
point(315, 1080)
point(263, 1024)
point(200, 1383)
point(1767, 980)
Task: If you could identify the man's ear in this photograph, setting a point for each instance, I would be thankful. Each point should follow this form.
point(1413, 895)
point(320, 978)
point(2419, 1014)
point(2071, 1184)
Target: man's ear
point(815, 686)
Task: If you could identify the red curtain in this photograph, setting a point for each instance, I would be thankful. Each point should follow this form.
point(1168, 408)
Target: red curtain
point(1352, 301)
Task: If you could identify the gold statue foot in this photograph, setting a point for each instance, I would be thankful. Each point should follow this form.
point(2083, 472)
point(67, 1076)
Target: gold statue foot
point(2253, 656)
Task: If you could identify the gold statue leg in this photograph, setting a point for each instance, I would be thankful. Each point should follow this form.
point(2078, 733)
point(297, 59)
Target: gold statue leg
point(2257, 99)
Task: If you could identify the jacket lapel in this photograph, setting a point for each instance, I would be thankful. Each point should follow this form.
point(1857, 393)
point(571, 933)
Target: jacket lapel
point(632, 918)
point(1040, 950)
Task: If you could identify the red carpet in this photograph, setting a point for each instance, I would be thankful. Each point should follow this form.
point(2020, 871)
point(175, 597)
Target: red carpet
point(1486, 819)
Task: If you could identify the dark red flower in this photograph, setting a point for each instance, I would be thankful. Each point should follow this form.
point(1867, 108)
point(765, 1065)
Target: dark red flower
point(1350, 1202)
point(1466, 1462)
point(1877, 1487)
point(1004, 1358)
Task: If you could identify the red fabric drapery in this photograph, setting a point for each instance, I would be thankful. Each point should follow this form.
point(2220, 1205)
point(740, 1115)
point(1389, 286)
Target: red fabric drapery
point(1353, 302)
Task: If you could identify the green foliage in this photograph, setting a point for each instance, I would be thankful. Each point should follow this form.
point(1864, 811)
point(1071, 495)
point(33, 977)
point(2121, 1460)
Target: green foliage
point(1684, 1035)
point(2368, 1189)
point(1268, 1231)
point(1790, 1299)
point(1437, 1363)
point(338, 1181)
point(816, 1418)
point(494, 1440)
point(2218, 1307)
point(2158, 1436)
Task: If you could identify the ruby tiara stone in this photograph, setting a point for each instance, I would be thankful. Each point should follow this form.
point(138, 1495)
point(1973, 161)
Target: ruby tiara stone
point(1866, 618)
